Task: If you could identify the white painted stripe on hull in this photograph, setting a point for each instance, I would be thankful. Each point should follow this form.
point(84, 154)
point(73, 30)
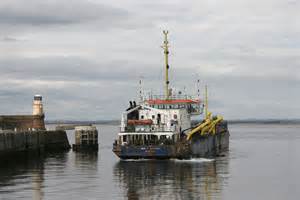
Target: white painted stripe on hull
point(146, 133)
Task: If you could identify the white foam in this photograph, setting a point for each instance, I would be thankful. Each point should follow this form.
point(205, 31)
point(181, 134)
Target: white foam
point(196, 160)
point(136, 160)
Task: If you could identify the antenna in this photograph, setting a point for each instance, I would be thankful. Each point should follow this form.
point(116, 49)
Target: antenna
point(206, 102)
point(198, 88)
point(141, 99)
point(166, 52)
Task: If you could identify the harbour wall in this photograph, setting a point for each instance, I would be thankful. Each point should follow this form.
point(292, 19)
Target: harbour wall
point(22, 122)
point(24, 141)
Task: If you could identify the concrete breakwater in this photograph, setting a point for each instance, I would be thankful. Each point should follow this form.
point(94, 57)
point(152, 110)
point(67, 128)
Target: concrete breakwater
point(22, 141)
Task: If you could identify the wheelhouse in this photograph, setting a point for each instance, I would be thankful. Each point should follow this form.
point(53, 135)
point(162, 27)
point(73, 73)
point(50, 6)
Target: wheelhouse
point(193, 106)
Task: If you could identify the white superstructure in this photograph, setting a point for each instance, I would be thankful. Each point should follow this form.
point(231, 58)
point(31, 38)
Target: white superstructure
point(156, 118)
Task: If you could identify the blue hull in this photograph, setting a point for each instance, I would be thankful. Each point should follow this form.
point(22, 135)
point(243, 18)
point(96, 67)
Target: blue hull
point(146, 152)
point(199, 146)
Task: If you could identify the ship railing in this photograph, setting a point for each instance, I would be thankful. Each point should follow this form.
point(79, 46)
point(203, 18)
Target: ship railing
point(146, 131)
point(153, 128)
point(172, 97)
point(143, 141)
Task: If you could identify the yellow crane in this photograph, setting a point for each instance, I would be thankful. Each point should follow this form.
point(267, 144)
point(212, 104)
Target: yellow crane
point(208, 126)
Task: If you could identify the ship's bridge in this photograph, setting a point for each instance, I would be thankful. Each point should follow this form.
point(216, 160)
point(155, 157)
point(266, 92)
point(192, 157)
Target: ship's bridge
point(194, 106)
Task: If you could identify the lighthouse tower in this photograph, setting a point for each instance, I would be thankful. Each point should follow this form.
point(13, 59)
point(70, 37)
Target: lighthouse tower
point(37, 105)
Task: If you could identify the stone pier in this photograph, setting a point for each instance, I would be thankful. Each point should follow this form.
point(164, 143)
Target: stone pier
point(24, 141)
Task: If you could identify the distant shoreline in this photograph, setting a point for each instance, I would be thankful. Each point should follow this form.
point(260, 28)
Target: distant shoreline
point(117, 122)
point(275, 121)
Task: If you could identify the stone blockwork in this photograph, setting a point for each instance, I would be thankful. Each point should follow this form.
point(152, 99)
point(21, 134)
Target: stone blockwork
point(22, 122)
point(12, 142)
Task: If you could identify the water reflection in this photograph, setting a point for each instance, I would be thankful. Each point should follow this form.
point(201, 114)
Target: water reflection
point(23, 174)
point(86, 160)
point(174, 179)
point(37, 185)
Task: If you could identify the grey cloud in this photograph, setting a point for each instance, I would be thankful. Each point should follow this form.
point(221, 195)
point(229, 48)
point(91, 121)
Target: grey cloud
point(38, 13)
point(9, 39)
point(70, 101)
point(246, 51)
point(70, 69)
point(85, 90)
point(111, 88)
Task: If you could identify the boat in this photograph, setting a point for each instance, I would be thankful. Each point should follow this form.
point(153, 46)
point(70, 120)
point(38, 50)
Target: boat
point(161, 126)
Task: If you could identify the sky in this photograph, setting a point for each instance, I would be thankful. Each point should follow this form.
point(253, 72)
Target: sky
point(86, 57)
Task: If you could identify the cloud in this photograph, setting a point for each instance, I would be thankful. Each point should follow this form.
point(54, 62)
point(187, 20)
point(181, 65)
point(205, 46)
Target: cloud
point(102, 90)
point(69, 69)
point(9, 39)
point(41, 13)
point(86, 57)
point(94, 89)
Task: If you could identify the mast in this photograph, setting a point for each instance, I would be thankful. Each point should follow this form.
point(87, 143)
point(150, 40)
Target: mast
point(166, 52)
point(141, 99)
point(206, 102)
point(198, 88)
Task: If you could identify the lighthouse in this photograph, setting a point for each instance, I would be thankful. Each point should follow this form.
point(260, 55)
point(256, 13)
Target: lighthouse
point(37, 105)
